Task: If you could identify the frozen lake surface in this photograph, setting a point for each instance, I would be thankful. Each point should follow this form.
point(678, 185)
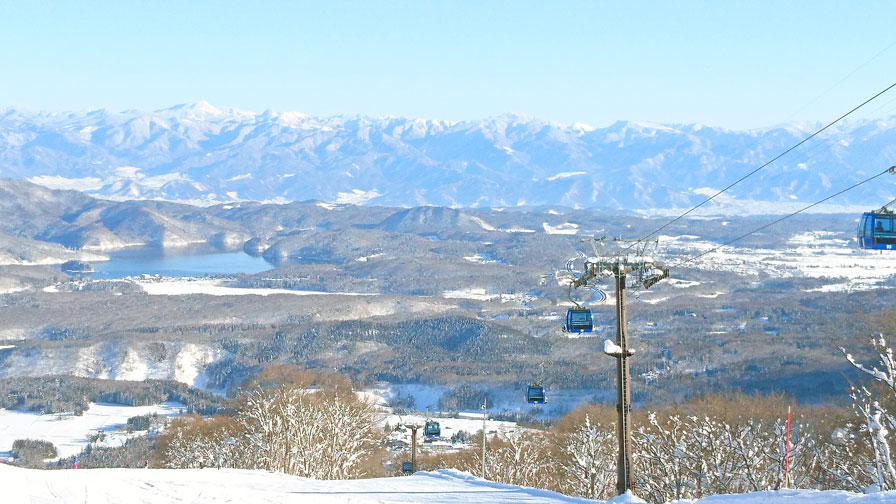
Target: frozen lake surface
point(186, 262)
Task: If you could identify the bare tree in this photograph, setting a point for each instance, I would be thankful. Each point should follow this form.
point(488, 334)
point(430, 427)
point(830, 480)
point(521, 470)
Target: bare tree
point(876, 420)
point(314, 434)
point(589, 461)
point(311, 434)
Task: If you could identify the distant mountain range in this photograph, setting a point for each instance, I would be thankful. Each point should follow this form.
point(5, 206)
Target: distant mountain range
point(201, 153)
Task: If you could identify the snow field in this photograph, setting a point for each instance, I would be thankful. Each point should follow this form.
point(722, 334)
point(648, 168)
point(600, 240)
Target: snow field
point(813, 254)
point(484, 259)
point(214, 287)
point(567, 228)
point(468, 422)
point(11, 288)
point(798, 497)
point(477, 294)
point(198, 486)
point(560, 401)
point(481, 294)
point(69, 432)
point(356, 197)
point(427, 397)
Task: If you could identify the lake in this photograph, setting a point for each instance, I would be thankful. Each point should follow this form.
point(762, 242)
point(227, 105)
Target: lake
point(181, 262)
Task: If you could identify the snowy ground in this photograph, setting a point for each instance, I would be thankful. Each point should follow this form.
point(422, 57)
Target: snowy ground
point(180, 286)
point(813, 254)
point(566, 228)
point(69, 432)
point(427, 396)
point(560, 401)
point(214, 287)
point(151, 486)
point(467, 422)
point(156, 486)
point(481, 294)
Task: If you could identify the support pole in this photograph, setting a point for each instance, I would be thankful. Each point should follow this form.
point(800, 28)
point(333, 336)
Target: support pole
point(648, 273)
point(624, 476)
point(414, 447)
point(787, 453)
point(483, 436)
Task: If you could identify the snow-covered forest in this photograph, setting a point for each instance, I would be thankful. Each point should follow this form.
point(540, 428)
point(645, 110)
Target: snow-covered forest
point(305, 425)
point(325, 427)
point(319, 434)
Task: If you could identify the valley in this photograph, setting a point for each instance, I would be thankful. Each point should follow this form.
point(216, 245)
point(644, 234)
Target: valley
point(433, 296)
point(448, 252)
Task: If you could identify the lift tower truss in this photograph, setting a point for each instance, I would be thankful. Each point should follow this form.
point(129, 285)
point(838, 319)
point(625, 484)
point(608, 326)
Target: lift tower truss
point(646, 273)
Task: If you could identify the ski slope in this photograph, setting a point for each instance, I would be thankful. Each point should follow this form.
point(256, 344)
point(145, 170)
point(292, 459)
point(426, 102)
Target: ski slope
point(199, 486)
point(157, 486)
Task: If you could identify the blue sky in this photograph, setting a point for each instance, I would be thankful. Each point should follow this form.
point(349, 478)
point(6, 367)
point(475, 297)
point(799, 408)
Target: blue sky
point(738, 64)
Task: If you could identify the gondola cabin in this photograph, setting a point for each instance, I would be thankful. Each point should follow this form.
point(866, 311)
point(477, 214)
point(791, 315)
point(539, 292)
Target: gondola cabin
point(535, 394)
point(431, 430)
point(877, 231)
point(578, 320)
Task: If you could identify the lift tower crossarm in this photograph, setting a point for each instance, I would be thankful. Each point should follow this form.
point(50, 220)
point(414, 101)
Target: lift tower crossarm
point(649, 272)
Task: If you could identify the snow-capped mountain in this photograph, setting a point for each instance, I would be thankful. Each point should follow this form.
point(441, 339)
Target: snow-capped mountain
point(202, 153)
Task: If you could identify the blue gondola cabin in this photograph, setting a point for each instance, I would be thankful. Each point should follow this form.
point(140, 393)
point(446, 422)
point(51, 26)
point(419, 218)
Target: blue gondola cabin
point(877, 231)
point(431, 430)
point(578, 320)
point(535, 394)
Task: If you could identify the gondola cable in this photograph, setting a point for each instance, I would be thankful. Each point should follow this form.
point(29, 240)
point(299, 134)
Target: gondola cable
point(842, 80)
point(764, 165)
point(857, 184)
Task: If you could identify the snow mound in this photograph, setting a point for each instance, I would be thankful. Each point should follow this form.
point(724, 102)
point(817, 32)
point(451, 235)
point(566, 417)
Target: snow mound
point(627, 498)
point(611, 348)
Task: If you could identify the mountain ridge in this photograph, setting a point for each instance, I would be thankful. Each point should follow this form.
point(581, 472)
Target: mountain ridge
point(198, 152)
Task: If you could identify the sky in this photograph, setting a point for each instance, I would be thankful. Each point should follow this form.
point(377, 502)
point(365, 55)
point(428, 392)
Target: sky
point(735, 64)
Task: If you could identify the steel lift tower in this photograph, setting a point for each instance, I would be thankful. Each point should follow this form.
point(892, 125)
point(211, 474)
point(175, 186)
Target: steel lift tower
point(645, 273)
